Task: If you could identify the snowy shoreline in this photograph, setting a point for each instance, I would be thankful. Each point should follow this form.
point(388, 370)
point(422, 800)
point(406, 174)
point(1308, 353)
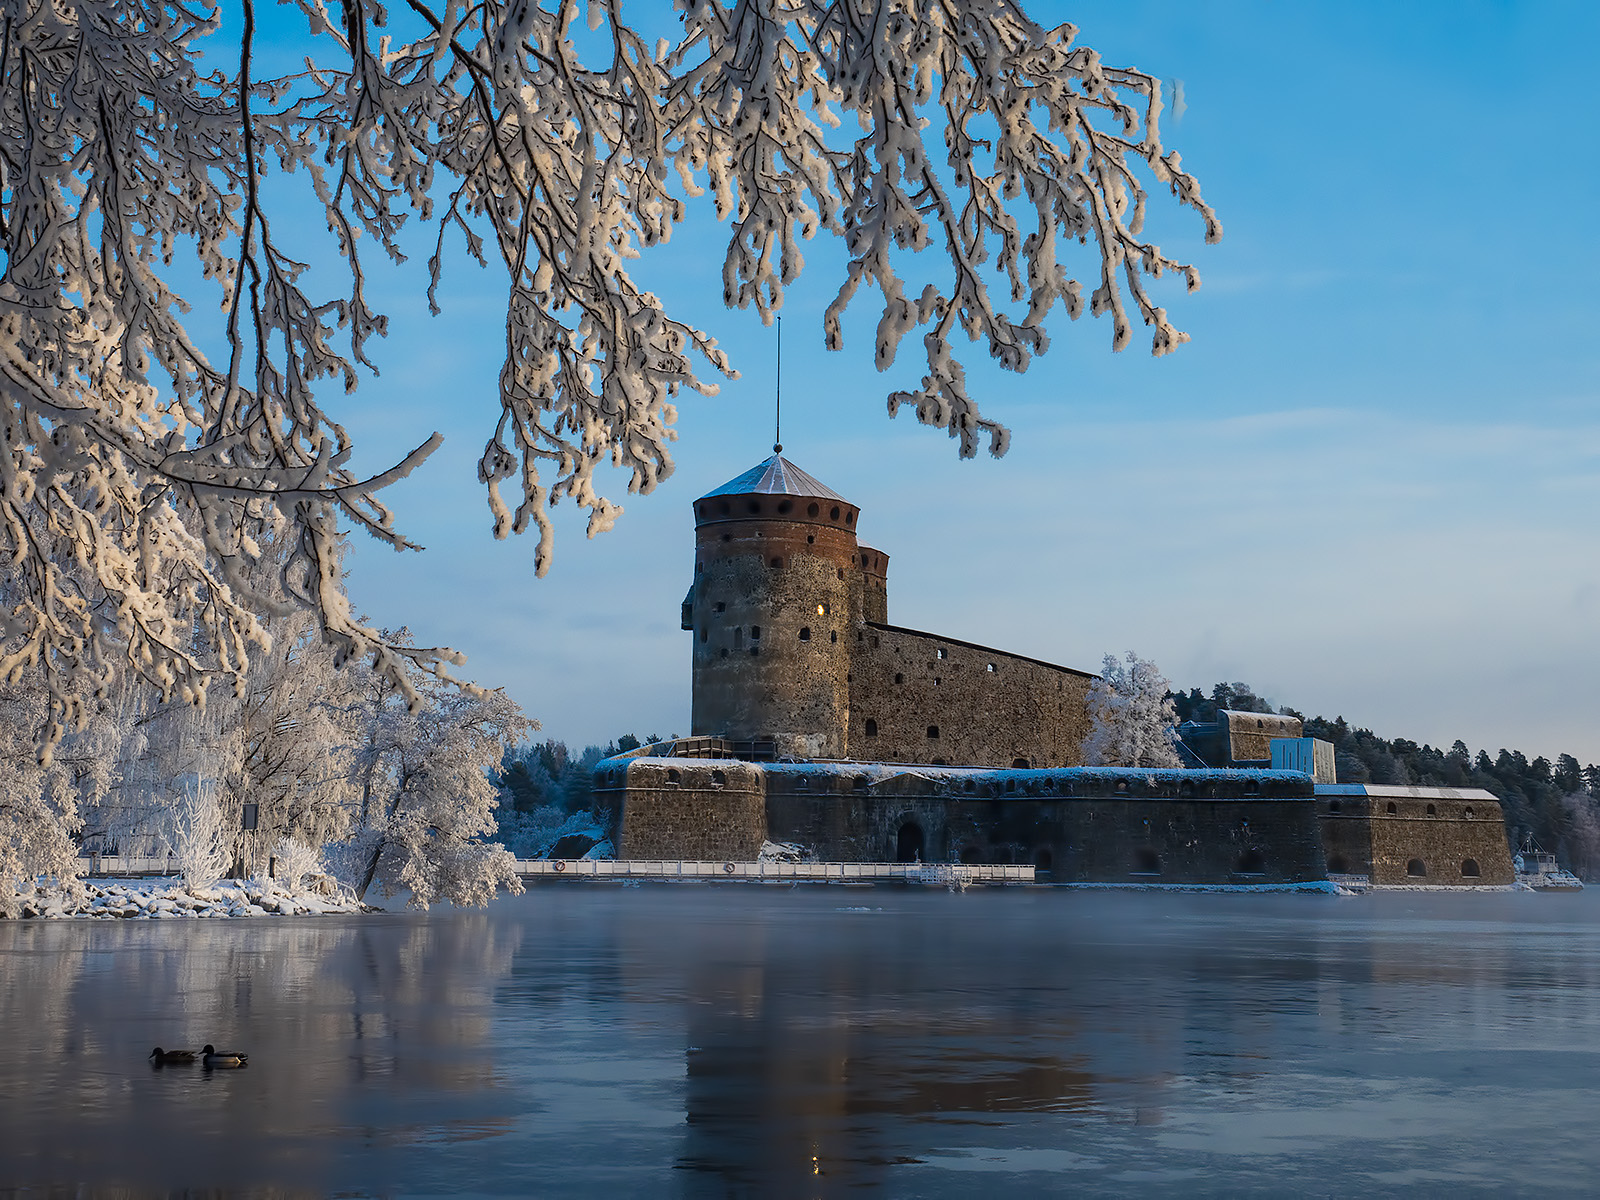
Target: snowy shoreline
point(165, 899)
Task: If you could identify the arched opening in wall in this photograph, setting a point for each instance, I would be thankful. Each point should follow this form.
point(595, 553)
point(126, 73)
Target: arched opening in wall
point(908, 843)
point(933, 731)
point(1333, 806)
point(720, 606)
point(674, 778)
point(850, 517)
point(802, 784)
point(1043, 859)
point(784, 506)
point(1146, 862)
point(812, 510)
point(990, 669)
point(811, 539)
point(1337, 865)
point(1021, 763)
point(1469, 868)
point(859, 783)
point(899, 678)
point(1393, 809)
point(1433, 810)
point(941, 652)
point(841, 572)
point(1416, 869)
point(805, 633)
point(755, 633)
point(1467, 813)
point(775, 563)
point(971, 855)
point(1250, 862)
point(872, 727)
point(719, 779)
point(970, 785)
point(834, 514)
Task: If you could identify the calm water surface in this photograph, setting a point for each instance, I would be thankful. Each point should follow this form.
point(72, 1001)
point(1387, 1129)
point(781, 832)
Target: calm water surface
point(741, 1040)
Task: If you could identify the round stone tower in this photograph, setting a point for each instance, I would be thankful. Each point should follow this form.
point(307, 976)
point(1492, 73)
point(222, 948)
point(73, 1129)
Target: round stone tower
point(776, 601)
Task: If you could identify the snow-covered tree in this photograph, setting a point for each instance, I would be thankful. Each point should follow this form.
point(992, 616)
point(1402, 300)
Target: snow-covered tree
point(201, 840)
point(1130, 716)
point(147, 164)
point(425, 804)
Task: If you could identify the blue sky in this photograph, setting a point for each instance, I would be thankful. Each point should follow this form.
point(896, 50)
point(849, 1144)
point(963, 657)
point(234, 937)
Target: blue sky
point(1368, 486)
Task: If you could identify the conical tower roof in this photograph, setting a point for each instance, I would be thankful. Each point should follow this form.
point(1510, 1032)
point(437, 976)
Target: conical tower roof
point(776, 476)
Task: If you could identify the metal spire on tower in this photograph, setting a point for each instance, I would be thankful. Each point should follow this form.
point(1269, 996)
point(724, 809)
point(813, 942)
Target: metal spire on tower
point(777, 397)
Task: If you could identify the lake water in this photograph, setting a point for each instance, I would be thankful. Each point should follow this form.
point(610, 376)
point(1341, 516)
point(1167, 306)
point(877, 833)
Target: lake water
point(744, 1040)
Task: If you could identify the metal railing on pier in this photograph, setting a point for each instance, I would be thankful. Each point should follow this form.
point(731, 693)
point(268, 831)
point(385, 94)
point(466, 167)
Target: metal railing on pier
point(940, 874)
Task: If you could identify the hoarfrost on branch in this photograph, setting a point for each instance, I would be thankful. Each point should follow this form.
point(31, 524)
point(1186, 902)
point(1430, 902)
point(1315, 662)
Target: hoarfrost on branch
point(1131, 716)
point(143, 469)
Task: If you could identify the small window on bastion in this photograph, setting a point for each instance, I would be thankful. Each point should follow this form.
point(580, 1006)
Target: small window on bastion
point(1433, 810)
point(834, 515)
point(719, 607)
point(1469, 868)
point(1467, 813)
point(673, 777)
point(812, 510)
point(899, 678)
point(777, 562)
point(933, 731)
point(1416, 869)
point(755, 633)
point(805, 634)
point(719, 779)
point(942, 652)
point(802, 784)
point(1393, 809)
point(872, 727)
point(990, 668)
point(822, 610)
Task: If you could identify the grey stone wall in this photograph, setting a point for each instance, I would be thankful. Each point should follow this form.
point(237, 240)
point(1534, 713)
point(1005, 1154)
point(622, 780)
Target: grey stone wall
point(773, 607)
point(698, 809)
point(1417, 835)
point(919, 698)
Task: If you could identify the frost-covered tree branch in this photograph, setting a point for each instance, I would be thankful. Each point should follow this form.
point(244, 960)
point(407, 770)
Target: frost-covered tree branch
point(142, 155)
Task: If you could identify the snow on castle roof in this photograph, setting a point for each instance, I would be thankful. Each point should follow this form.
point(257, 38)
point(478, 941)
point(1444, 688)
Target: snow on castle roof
point(777, 475)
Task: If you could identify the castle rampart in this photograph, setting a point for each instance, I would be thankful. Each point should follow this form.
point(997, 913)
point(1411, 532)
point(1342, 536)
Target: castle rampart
point(920, 698)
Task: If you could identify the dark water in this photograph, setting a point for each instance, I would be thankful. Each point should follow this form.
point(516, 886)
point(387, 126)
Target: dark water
point(737, 1040)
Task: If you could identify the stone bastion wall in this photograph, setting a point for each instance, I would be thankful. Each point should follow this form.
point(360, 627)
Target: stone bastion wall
point(1075, 825)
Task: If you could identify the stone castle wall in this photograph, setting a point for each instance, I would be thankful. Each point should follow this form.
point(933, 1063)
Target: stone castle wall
point(1415, 835)
point(919, 698)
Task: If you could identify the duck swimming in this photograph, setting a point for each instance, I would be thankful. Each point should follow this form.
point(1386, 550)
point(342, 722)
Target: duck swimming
point(212, 1057)
point(163, 1057)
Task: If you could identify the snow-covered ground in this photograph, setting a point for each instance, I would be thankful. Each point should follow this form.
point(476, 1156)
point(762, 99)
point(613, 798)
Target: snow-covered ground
point(160, 899)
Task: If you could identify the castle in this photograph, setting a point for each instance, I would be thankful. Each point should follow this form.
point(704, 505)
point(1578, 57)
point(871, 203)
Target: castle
point(815, 721)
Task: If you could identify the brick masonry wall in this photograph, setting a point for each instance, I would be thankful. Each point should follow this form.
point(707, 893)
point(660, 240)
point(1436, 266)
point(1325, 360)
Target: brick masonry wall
point(989, 708)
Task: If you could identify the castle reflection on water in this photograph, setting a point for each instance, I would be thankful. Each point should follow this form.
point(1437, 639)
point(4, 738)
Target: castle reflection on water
point(741, 1040)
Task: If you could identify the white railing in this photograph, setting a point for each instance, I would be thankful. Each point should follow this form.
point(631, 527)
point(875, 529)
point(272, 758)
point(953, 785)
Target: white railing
point(942, 874)
point(128, 864)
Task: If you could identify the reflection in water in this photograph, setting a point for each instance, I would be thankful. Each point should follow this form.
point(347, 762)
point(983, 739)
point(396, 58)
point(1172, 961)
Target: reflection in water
point(753, 1041)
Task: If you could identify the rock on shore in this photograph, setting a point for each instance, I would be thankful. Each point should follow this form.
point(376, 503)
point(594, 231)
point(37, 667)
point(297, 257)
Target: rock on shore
point(167, 899)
